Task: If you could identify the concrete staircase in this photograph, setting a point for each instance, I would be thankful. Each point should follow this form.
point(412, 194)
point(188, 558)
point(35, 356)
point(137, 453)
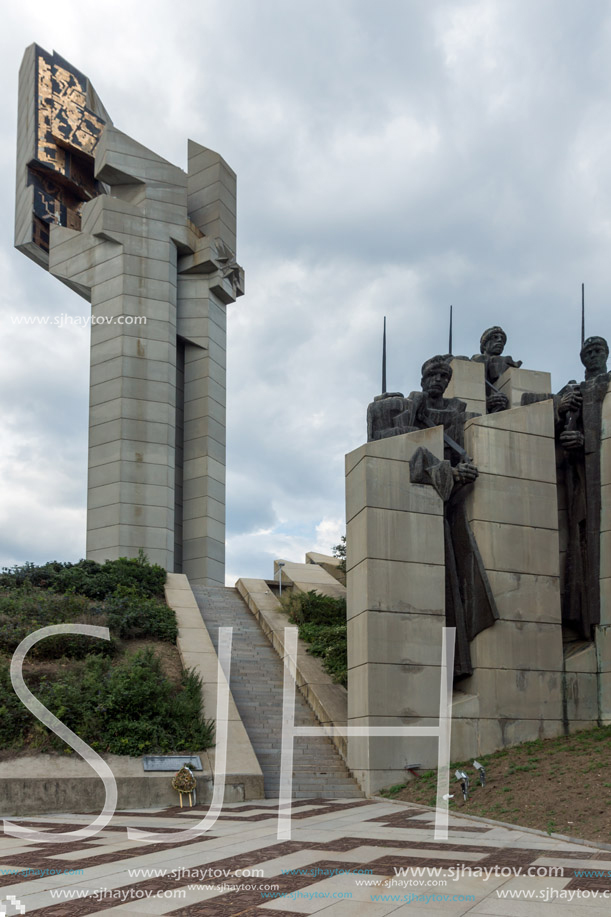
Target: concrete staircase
point(256, 684)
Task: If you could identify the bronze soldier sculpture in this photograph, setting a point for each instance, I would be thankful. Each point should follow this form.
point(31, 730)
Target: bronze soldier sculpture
point(470, 605)
point(578, 423)
point(492, 343)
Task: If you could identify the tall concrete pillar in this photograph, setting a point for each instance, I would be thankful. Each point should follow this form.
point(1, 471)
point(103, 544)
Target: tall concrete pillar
point(396, 605)
point(153, 249)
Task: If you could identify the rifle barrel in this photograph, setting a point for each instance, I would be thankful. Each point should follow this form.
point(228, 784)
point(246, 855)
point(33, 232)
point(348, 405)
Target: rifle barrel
point(384, 358)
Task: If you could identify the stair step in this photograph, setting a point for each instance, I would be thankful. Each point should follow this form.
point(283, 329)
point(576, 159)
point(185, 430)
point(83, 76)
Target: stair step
point(257, 679)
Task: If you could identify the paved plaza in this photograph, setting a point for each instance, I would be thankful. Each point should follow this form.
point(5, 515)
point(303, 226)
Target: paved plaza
point(345, 858)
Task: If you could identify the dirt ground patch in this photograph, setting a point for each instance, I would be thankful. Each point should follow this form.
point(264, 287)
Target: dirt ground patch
point(561, 786)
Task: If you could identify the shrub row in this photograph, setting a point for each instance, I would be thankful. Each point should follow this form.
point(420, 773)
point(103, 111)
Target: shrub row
point(321, 620)
point(127, 613)
point(127, 709)
point(87, 577)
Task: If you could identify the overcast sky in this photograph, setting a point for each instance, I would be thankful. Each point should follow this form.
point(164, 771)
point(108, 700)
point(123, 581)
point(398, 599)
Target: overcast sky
point(392, 158)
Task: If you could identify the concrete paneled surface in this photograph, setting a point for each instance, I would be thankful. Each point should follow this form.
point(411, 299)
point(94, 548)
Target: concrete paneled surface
point(468, 383)
point(515, 381)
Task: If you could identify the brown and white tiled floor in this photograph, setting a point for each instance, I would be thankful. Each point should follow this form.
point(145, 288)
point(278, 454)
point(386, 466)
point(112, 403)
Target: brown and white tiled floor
point(335, 847)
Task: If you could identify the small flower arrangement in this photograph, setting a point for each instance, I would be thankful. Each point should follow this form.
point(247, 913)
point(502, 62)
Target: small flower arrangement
point(184, 781)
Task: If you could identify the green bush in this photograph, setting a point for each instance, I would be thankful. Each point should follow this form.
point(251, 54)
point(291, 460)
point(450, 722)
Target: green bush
point(126, 709)
point(321, 620)
point(24, 611)
point(329, 642)
point(130, 614)
point(312, 608)
point(127, 613)
point(14, 717)
point(88, 577)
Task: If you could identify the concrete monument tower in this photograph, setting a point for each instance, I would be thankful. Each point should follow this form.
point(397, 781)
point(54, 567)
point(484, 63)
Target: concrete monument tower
point(153, 249)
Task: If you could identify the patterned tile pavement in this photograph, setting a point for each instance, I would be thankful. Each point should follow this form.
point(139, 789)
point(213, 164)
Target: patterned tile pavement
point(346, 858)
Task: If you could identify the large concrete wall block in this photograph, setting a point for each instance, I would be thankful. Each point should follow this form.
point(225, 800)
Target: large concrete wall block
point(398, 448)
point(378, 534)
point(207, 507)
point(512, 453)
point(200, 331)
point(409, 690)
point(202, 159)
point(204, 571)
point(197, 412)
point(151, 390)
point(197, 433)
point(519, 694)
point(131, 514)
point(536, 419)
point(515, 381)
point(389, 755)
point(201, 548)
point(197, 302)
point(199, 364)
point(605, 555)
point(205, 192)
point(605, 602)
point(517, 549)
point(396, 639)
point(204, 466)
point(496, 498)
point(605, 508)
point(583, 658)
point(131, 409)
point(203, 486)
point(526, 597)
point(119, 159)
point(505, 732)
point(377, 482)
point(468, 383)
point(204, 447)
point(605, 459)
point(203, 527)
point(604, 688)
point(518, 645)
point(396, 587)
point(582, 697)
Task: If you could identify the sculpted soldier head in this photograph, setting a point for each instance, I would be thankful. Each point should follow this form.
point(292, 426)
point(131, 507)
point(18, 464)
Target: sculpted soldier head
point(436, 375)
point(594, 354)
point(493, 341)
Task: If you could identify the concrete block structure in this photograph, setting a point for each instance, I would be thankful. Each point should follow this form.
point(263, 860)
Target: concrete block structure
point(152, 247)
point(533, 676)
point(396, 602)
point(468, 384)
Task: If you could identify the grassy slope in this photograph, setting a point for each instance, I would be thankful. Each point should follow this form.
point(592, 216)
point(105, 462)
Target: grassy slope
point(557, 785)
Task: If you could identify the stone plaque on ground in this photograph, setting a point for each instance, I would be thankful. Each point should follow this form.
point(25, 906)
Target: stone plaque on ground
point(171, 762)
